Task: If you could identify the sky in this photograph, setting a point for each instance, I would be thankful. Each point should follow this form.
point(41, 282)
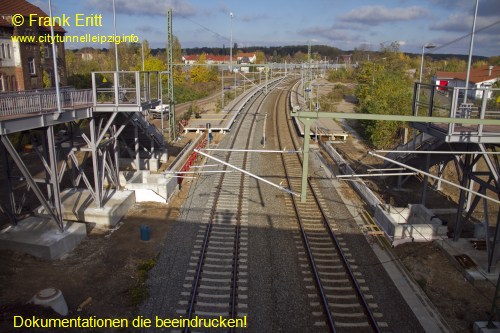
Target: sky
point(343, 24)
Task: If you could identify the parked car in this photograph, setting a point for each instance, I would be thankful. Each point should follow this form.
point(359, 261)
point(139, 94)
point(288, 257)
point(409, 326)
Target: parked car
point(157, 111)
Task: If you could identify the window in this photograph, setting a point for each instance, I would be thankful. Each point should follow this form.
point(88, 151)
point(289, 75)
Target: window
point(3, 51)
point(31, 64)
point(47, 50)
point(8, 51)
point(1, 82)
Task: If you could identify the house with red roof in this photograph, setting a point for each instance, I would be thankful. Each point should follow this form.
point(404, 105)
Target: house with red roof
point(246, 58)
point(481, 77)
point(23, 65)
point(210, 59)
point(241, 58)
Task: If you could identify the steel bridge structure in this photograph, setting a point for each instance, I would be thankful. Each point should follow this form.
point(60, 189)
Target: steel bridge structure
point(91, 131)
point(464, 133)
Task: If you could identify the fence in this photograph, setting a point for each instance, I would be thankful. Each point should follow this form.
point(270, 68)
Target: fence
point(43, 101)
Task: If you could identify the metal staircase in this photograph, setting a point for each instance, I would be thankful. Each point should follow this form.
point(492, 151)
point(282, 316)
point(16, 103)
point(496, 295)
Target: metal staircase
point(422, 142)
point(147, 128)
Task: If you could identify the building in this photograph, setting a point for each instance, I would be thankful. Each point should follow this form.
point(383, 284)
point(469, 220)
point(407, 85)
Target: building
point(479, 78)
point(86, 53)
point(241, 58)
point(210, 59)
point(246, 58)
point(27, 65)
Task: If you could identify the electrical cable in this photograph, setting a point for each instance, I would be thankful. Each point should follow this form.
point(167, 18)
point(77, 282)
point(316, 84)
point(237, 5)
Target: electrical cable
point(463, 37)
point(204, 27)
point(418, 250)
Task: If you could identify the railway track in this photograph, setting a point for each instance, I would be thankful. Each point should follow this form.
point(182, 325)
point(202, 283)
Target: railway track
point(340, 296)
point(216, 283)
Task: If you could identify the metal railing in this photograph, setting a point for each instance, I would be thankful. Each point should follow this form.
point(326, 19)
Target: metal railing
point(126, 88)
point(43, 102)
point(456, 102)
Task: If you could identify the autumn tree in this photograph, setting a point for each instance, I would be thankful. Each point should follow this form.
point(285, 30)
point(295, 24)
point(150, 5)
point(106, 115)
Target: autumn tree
point(260, 57)
point(384, 87)
point(200, 72)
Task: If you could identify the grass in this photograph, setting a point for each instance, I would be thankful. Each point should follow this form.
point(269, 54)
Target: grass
point(139, 291)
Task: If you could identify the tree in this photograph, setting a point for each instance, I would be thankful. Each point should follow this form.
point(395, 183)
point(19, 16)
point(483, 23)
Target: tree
point(260, 57)
point(47, 83)
point(177, 50)
point(299, 56)
point(202, 73)
point(384, 88)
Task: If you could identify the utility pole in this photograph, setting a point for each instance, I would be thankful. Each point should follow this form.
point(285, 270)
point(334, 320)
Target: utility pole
point(170, 63)
point(222, 83)
point(231, 45)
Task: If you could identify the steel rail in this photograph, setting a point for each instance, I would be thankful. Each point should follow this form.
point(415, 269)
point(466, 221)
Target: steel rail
point(326, 307)
point(236, 244)
point(203, 251)
point(371, 319)
point(330, 320)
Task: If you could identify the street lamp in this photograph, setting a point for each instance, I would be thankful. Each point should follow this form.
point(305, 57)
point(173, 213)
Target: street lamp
point(116, 46)
point(425, 46)
point(470, 52)
point(231, 42)
point(54, 56)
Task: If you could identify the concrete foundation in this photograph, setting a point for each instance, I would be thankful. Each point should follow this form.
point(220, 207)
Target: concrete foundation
point(78, 205)
point(412, 223)
point(481, 327)
point(149, 186)
point(477, 274)
point(151, 164)
point(42, 238)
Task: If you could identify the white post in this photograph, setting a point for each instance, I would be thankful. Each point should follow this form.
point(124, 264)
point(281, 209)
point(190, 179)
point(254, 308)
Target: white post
point(116, 46)
point(470, 52)
point(231, 45)
point(54, 56)
point(264, 142)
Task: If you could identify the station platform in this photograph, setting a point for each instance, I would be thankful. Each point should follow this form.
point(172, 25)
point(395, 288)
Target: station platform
point(219, 122)
point(324, 128)
point(223, 120)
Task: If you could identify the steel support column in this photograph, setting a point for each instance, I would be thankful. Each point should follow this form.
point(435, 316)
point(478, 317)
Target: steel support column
point(116, 150)
point(305, 163)
point(11, 210)
point(136, 148)
point(170, 63)
point(93, 145)
point(494, 248)
point(54, 177)
point(464, 182)
point(426, 179)
point(49, 208)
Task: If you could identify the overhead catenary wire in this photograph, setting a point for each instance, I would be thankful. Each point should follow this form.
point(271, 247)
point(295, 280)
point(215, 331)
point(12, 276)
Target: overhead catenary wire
point(204, 27)
point(462, 37)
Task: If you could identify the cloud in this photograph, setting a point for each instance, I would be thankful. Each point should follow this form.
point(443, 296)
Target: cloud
point(332, 34)
point(375, 15)
point(253, 18)
point(147, 29)
point(462, 23)
point(485, 7)
point(459, 26)
point(144, 7)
